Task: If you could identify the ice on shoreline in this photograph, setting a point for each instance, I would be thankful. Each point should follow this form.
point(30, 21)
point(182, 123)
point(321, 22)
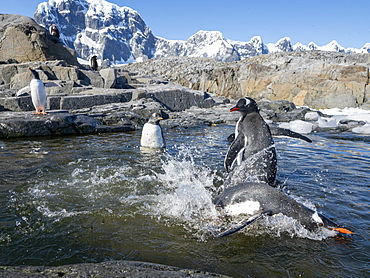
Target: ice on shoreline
point(333, 118)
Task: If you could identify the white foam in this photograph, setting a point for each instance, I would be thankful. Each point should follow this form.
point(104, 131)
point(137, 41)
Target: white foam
point(316, 217)
point(187, 195)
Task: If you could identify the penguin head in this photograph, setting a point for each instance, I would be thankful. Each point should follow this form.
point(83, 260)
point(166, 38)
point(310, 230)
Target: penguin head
point(34, 73)
point(155, 118)
point(245, 106)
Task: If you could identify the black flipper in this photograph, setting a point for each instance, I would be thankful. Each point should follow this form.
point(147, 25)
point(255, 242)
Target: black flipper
point(278, 131)
point(242, 224)
point(235, 148)
point(231, 137)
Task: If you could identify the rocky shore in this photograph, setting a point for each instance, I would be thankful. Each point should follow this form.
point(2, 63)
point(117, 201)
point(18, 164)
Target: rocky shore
point(104, 270)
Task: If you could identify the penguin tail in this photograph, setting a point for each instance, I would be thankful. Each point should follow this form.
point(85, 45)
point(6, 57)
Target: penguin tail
point(342, 230)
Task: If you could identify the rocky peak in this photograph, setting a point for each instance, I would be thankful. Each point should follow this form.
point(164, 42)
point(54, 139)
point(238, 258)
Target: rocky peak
point(97, 27)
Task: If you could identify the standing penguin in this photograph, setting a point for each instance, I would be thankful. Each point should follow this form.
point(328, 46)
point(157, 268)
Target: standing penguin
point(94, 63)
point(53, 29)
point(38, 93)
point(253, 147)
point(152, 136)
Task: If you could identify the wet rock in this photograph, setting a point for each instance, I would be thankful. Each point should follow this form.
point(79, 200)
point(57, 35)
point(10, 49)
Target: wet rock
point(105, 270)
point(26, 124)
point(282, 110)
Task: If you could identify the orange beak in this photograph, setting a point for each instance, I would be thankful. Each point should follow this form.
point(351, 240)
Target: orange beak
point(342, 230)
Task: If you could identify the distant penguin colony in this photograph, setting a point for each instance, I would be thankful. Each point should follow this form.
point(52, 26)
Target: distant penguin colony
point(94, 63)
point(53, 29)
point(38, 93)
point(253, 141)
point(152, 135)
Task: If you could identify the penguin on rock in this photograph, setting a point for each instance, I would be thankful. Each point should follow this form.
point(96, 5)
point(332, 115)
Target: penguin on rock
point(94, 63)
point(38, 93)
point(54, 31)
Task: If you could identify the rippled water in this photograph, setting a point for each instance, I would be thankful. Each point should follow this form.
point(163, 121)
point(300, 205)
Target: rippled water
point(99, 197)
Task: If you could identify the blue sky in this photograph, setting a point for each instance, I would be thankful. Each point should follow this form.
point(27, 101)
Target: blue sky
point(320, 21)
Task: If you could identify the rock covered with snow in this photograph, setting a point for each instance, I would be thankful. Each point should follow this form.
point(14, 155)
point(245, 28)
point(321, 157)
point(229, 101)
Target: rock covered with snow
point(119, 34)
point(298, 126)
point(348, 119)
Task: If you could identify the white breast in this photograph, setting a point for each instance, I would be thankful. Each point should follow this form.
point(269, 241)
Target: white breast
point(247, 207)
point(38, 94)
point(151, 136)
point(239, 157)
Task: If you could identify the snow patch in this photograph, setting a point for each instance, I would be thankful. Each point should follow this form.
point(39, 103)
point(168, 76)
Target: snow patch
point(298, 126)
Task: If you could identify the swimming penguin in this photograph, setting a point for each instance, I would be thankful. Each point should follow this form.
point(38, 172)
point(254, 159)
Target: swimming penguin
point(253, 142)
point(53, 29)
point(247, 202)
point(38, 93)
point(152, 135)
point(94, 63)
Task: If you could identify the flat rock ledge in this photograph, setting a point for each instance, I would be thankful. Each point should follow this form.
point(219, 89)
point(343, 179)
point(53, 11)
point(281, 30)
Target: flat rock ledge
point(101, 110)
point(104, 270)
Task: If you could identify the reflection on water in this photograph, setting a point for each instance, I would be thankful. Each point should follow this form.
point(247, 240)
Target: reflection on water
point(99, 197)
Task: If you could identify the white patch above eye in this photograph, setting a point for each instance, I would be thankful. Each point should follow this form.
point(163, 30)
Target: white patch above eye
point(247, 101)
point(247, 207)
point(316, 217)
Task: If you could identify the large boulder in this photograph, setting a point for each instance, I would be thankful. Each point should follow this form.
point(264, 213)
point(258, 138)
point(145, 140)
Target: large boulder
point(23, 40)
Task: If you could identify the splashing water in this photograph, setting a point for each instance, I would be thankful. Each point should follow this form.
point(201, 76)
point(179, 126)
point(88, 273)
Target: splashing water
point(180, 192)
point(93, 198)
point(186, 191)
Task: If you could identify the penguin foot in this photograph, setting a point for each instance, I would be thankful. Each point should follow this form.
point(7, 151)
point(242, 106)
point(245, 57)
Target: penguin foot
point(40, 112)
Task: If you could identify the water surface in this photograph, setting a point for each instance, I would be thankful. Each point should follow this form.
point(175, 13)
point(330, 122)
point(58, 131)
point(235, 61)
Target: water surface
point(99, 197)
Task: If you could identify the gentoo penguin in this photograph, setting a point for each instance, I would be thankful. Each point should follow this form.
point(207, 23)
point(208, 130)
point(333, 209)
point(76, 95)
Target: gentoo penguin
point(253, 143)
point(247, 202)
point(152, 135)
point(53, 29)
point(94, 63)
point(38, 93)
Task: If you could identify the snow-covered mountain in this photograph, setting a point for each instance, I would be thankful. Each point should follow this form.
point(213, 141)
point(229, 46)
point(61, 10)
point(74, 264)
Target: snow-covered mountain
point(119, 34)
point(97, 27)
